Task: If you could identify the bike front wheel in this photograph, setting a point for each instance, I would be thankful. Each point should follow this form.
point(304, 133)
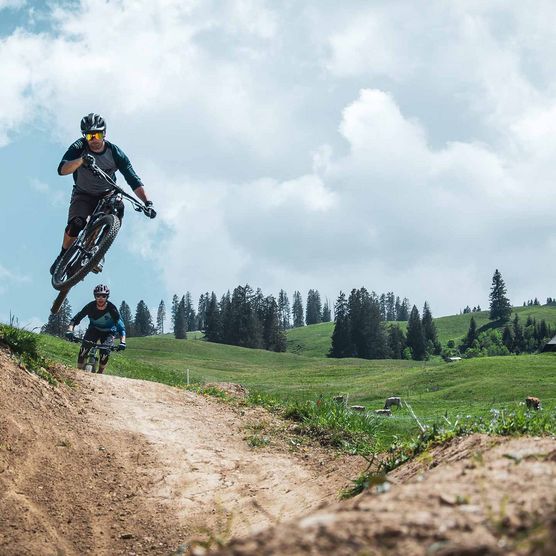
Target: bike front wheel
point(83, 256)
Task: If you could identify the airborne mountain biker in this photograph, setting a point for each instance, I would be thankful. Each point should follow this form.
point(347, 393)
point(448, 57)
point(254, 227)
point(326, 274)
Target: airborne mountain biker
point(104, 323)
point(88, 188)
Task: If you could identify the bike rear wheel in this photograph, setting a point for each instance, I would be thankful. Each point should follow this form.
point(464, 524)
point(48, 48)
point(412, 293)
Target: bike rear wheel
point(78, 261)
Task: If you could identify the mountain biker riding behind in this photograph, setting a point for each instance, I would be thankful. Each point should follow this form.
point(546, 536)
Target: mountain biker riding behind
point(104, 323)
point(89, 188)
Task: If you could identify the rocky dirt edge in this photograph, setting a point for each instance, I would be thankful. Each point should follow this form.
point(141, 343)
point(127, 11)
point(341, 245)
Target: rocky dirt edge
point(477, 495)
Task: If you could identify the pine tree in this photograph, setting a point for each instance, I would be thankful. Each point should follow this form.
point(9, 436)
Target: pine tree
point(204, 300)
point(391, 311)
point(274, 338)
point(245, 327)
point(313, 310)
point(190, 317)
point(382, 303)
point(297, 309)
point(213, 329)
point(175, 304)
point(226, 334)
point(342, 345)
point(508, 338)
point(415, 338)
point(326, 313)
point(143, 324)
point(398, 309)
point(429, 331)
point(57, 324)
point(284, 310)
point(471, 335)
point(180, 322)
point(367, 330)
point(396, 341)
point(500, 306)
point(403, 312)
point(160, 316)
point(519, 338)
point(127, 318)
point(378, 343)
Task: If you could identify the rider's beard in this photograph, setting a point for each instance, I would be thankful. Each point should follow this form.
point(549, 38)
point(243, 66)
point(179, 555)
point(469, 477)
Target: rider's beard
point(96, 145)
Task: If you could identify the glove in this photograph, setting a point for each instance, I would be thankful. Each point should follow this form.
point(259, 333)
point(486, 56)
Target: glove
point(70, 336)
point(121, 347)
point(149, 211)
point(88, 160)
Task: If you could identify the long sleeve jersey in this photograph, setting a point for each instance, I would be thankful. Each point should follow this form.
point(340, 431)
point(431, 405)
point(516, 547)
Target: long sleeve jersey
point(112, 158)
point(105, 320)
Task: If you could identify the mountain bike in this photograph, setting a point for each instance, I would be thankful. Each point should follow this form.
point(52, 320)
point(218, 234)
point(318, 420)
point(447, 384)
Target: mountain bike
point(88, 251)
point(91, 362)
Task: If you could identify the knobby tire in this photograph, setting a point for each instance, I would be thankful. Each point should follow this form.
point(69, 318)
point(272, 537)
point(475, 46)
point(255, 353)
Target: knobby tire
point(60, 280)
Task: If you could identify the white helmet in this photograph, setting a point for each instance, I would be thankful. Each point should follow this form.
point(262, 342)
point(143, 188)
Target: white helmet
point(101, 289)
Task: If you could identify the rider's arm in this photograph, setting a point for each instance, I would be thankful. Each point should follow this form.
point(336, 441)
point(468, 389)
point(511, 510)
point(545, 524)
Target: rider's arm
point(70, 167)
point(120, 327)
point(117, 319)
point(124, 166)
point(79, 317)
point(71, 160)
point(140, 192)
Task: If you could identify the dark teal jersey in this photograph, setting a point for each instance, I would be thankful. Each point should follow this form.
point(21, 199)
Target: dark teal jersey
point(112, 158)
point(106, 320)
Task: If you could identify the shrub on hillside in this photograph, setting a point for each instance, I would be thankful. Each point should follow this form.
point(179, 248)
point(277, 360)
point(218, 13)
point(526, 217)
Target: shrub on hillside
point(19, 341)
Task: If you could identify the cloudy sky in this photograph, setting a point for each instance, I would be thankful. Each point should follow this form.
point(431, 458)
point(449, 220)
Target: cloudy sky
point(400, 146)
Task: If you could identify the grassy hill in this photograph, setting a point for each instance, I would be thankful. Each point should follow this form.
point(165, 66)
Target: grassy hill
point(467, 387)
point(315, 340)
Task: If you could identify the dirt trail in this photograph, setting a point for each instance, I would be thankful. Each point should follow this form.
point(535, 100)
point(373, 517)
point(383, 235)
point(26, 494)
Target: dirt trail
point(112, 466)
point(117, 466)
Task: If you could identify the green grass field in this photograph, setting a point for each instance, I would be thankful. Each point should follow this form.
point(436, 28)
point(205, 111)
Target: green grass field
point(302, 385)
point(472, 386)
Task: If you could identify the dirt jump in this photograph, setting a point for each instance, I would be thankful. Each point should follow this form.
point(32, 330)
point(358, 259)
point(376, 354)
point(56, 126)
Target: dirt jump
point(104, 465)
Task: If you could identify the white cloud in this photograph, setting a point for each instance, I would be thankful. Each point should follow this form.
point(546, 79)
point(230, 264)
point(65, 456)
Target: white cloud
point(387, 145)
point(8, 277)
point(55, 197)
point(371, 43)
point(14, 4)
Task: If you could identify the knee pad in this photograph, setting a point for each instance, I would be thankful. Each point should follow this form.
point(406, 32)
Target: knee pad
point(75, 225)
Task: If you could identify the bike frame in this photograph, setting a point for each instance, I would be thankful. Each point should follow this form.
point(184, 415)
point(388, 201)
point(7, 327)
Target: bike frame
point(92, 357)
point(107, 205)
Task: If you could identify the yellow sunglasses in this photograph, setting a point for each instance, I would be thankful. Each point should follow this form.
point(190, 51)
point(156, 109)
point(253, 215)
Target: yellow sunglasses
point(94, 135)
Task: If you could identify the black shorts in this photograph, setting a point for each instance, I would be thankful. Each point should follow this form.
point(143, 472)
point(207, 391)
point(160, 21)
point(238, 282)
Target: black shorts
point(82, 205)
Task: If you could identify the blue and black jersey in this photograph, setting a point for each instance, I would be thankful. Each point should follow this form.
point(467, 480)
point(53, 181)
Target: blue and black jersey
point(112, 158)
point(105, 320)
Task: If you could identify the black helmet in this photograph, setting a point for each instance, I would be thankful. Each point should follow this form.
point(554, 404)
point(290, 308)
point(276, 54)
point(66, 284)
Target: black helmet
point(92, 122)
point(102, 289)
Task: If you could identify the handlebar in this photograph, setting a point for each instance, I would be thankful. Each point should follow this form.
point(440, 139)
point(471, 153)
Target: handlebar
point(78, 340)
point(137, 205)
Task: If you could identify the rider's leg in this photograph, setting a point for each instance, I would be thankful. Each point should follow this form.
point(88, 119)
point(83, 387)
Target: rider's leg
point(81, 206)
point(83, 352)
point(108, 340)
point(91, 335)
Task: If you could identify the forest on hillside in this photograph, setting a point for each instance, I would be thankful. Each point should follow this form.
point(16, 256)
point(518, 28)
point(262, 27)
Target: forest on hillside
point(366, 325)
